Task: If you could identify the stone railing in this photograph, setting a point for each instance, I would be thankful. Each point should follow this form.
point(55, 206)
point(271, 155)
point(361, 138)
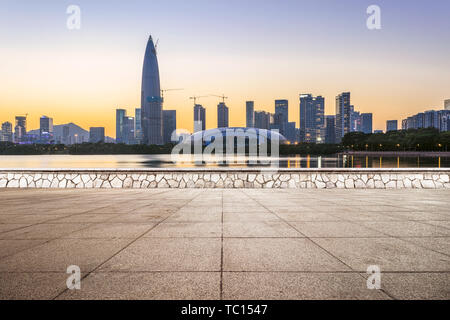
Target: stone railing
point(226, 178)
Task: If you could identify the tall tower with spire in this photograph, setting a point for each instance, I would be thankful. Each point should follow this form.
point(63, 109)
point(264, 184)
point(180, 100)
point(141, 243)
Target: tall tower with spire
point(151, 101)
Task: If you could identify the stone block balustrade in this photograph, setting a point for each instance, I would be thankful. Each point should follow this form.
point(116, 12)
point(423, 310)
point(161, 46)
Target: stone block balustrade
point(226, 178)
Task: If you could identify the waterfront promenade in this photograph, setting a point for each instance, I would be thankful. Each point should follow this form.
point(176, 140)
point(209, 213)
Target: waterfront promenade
point(224, 243)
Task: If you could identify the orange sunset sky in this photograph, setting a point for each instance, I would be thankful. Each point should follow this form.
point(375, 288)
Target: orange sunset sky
point(247, 53)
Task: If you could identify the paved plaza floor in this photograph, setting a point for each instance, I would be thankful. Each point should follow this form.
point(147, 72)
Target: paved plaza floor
point(224, 244)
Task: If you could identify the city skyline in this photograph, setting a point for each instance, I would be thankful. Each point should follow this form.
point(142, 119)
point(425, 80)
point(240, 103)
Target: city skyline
point(315, 126)
point(73, 77)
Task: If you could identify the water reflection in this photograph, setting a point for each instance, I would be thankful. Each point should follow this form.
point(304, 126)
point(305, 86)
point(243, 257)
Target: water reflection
point(183, 161)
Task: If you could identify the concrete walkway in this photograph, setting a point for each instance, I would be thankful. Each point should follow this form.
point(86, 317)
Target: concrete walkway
point(224, 244)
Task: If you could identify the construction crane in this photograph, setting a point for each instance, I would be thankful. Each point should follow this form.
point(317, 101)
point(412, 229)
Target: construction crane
point(164, 90)
point(222, 96)
point(197, 97)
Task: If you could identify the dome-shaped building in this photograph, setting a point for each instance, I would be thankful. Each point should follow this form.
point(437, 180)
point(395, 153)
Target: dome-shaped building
point(240, 135)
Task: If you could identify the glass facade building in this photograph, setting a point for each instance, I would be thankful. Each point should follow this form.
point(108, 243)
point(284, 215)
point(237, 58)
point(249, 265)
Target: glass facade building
point(169, 124)
point(250, 113)
point(222, 115)
point(312, 118)
point(199, 118)
point(151, 101)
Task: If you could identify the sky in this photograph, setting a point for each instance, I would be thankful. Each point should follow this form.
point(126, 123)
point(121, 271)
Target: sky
point(246, 49)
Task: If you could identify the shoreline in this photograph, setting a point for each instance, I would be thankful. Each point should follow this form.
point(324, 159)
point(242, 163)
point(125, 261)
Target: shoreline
point(397, 153)
point(354, 153)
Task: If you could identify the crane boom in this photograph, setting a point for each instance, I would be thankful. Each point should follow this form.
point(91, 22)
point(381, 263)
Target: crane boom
point(197, 97)
point(164, 90)
point(222, 96)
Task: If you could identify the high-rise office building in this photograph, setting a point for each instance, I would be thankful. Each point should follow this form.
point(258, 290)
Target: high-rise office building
point(250, 114)
point(129, 130)
point(20, 129)
point(222, 115)
point(169, 124)
point(281, 116)
point(355, 120)
point(199, 118)
point(121, 115)
point(291, 133)
point(447, 104)
point(391, 125)
point(343, 115)
point(96, 134)
point(46, 126)
point(312, 118)
point(330, 130)
point(263, 120)
point(366, 122)
point(151, 101)
point(138, 125)
point(6, 135)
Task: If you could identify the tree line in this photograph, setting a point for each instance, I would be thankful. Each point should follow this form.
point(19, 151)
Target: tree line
point(426, 139)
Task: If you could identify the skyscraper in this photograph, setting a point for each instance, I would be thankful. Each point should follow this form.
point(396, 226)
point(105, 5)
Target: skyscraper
point(262, 119)
point(281, 115)
point(343, 115)
point(169, 124)
point(250, 113)
point(46, 126)
point(199, 118)
point(138, 125)
point(366, 122)
point(330, 130)
point(96, 134)
point(120, 125)
point(129, 130)
point(447, 104)
point(355, 120)
point(291, 132)
point(20, 129)
point(151, 101)
point(312, 118)
point(6, 135)
point(222, 115)
point(391, 125)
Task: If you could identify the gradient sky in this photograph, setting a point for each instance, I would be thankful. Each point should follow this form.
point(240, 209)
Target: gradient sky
point(247, 49)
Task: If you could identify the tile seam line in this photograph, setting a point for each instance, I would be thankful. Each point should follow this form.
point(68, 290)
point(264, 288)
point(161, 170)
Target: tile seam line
point(52, 239)
point(130, 243)
point(404, 239)
point(328, 252)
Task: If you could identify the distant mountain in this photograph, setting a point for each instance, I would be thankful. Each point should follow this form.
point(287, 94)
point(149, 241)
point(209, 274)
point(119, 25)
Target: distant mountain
point(76, 133)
